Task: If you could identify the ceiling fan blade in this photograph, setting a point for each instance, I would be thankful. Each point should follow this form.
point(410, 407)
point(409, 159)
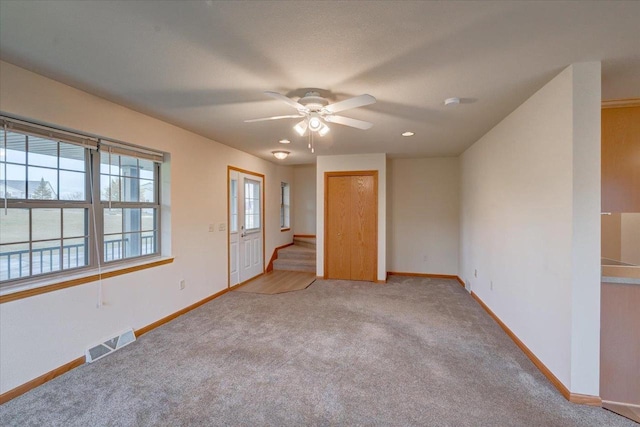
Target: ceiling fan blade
point(285, 99)
point(292, 116)
point(357, 101)
point(348, 121)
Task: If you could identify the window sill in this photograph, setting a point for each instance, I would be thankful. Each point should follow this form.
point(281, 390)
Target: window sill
point(285, 229)
point(54, 284)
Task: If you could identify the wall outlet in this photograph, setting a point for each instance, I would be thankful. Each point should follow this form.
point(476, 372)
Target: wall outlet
point(182, 284)
point(424, 258)
point(222, 227)
point(475, 273)
point(212, 228)
point(491, 285)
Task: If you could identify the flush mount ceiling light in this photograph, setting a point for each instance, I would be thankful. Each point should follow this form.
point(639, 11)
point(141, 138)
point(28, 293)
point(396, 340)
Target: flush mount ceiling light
point(408, 133)
point(451, 101)
point(284, 141)
point(280, 154)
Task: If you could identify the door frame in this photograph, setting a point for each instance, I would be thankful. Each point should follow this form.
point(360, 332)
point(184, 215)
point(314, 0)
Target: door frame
point(327, 175)
point(262, 218)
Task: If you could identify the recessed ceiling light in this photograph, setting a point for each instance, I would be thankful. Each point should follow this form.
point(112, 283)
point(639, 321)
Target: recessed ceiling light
point(284, 141)
point(408, 133)
point(452, 101)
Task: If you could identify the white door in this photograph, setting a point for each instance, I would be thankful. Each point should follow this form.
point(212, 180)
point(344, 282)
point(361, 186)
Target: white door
point(246, 226)
point(234, 252)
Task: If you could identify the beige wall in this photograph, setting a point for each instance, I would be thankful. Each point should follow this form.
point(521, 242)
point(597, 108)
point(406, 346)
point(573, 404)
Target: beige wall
point(530, 224)
point(423, 215)
point(304, 199)
point(67, 322)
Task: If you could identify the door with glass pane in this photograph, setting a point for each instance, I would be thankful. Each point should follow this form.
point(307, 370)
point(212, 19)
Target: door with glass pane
point(234, 252)
point(246, 231)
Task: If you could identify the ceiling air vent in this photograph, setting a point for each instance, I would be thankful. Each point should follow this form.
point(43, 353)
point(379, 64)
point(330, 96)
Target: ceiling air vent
point(109, 346)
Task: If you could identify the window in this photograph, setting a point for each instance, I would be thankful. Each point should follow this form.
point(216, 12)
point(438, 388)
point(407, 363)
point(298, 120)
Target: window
point(251, 204)
point(48, 216)
point(129, 206)
point(233, 207)
point(284, 206)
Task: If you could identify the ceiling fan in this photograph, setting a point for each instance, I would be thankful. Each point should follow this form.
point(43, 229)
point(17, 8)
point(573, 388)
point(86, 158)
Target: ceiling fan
point(315, 110)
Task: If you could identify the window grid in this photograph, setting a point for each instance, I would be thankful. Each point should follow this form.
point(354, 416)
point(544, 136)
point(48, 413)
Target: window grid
point(251, 205)
point(47, 228)
point(129, 214)
point(233, 227)
point(284, 205)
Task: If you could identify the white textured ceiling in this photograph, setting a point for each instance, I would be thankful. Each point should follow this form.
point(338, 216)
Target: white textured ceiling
point(203, 65)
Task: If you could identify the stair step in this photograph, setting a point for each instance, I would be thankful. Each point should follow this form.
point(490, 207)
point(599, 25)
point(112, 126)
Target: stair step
point(297, 252)
point(295, 265)
point(307, 242)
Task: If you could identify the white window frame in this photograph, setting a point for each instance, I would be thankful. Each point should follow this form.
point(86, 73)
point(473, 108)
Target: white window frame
point(285, 206)
point(94, 207)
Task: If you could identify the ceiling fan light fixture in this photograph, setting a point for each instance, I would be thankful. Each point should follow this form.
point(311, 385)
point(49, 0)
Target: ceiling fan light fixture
point(280, 154)
point(324, 129)
point(315, 124)
point(301, 127)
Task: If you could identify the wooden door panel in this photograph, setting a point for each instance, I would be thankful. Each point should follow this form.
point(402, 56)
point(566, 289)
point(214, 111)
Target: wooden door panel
point(620, 159)
point(351, 221)
point(338, 223)
point(363, 228)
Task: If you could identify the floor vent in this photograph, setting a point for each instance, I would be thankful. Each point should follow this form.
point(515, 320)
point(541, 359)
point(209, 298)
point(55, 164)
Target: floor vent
point(109, 346)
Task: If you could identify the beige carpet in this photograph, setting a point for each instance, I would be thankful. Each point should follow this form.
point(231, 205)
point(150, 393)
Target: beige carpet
point(413, 352)
point(277, 282)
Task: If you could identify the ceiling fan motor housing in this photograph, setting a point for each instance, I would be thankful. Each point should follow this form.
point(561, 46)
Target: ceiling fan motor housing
point(315, 110)
point(313, 101)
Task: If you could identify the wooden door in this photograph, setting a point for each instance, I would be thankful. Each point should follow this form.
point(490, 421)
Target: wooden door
point(363, 226)
point(620, 159)
point(338, 217)
point(351, 218)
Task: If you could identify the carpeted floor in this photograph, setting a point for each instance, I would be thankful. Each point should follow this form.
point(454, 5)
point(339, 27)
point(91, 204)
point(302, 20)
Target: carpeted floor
point(413, 352)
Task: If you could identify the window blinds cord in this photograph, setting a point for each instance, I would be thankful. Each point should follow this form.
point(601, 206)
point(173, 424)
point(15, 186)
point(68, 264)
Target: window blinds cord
point(111, 179)
point(99, 302)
